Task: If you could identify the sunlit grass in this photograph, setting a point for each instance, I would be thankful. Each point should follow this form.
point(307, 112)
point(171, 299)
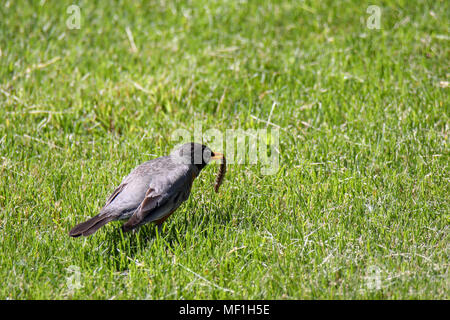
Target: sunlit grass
point(359, 207)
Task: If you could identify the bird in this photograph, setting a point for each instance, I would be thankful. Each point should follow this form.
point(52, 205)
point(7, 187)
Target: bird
point(153, 190)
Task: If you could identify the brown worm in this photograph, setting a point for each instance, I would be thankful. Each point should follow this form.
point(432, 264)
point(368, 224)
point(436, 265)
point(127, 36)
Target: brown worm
point(220, 174)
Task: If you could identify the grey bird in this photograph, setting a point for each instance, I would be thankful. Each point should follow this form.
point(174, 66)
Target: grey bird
point(153, 190)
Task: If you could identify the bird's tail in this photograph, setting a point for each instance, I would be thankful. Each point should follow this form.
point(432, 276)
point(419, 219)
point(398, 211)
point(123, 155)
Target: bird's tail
point(90, 226)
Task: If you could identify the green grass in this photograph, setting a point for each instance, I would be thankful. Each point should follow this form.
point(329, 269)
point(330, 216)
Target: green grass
point(363, 182)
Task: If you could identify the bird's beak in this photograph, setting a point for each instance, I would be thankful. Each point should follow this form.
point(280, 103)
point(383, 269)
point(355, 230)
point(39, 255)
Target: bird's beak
point(217, 156)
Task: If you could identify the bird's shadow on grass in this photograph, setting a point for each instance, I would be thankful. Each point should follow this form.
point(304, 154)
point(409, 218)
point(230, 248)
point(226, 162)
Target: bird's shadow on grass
point(173, 232)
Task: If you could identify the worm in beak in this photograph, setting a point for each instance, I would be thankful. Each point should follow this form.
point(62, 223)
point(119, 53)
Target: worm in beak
point(222, 170)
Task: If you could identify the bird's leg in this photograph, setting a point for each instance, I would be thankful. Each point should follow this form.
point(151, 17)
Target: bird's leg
point(159, 222)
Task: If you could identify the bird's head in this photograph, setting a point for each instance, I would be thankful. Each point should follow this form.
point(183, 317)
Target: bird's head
point(196, 154)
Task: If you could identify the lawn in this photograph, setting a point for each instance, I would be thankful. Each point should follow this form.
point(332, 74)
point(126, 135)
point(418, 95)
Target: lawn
point(358, 207)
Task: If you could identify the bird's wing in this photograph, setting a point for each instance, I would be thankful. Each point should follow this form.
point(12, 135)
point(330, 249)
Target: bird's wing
point(131, 191)
point(114, 194)
point(153, 199)
point(164, 195)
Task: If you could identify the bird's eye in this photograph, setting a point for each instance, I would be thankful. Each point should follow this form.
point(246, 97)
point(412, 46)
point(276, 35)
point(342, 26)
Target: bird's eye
point(206, 155)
